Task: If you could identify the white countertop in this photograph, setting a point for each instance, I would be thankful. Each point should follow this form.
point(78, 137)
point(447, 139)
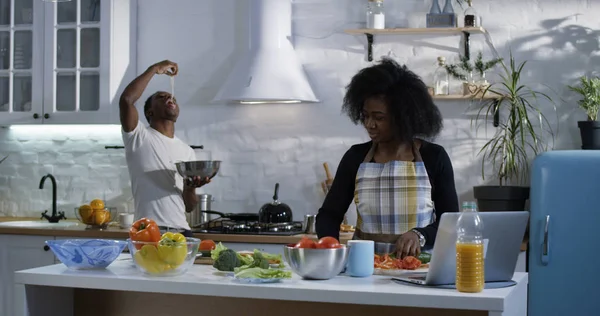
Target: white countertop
point(201, 280)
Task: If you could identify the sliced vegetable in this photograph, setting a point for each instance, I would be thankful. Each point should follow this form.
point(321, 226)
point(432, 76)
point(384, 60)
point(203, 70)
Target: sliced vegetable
point(258, 273)
point(148, 258)
point(424, 257)
point(388, 262)
point(172, 248)
point(144, 229)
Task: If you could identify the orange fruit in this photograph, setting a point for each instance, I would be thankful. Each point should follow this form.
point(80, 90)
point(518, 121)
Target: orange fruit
point(97, 204)
point(86, 213)
point(101, 217)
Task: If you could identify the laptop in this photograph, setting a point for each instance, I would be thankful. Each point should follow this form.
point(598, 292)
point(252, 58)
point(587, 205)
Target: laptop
point(502, 237)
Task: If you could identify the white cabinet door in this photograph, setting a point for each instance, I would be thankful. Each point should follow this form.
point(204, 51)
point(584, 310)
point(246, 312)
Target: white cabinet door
point(79, 59)
point(65, 62)
point(21, 61)
point(19, 252)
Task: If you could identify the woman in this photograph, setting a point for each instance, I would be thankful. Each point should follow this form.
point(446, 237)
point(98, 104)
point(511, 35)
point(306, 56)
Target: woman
point(401, 184)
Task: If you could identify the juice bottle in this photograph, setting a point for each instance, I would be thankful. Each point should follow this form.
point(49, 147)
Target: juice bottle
point(469, 250)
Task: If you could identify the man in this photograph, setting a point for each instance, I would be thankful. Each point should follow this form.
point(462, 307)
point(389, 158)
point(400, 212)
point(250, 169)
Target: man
point(159, 191)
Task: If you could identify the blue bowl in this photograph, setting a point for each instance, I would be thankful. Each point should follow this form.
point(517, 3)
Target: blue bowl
point(86, 253)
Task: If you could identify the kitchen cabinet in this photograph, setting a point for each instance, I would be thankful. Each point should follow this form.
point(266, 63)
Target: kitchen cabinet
point(64, 62)
point(19, 252)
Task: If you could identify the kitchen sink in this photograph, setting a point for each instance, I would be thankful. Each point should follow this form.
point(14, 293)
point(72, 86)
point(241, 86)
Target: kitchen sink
point(38, 224)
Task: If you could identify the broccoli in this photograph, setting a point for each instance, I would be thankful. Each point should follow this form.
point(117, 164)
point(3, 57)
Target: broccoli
point(227, 261)
point(259, 260)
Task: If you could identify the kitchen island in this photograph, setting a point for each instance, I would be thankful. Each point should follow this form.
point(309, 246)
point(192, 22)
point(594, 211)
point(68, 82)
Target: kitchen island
point(122, 290)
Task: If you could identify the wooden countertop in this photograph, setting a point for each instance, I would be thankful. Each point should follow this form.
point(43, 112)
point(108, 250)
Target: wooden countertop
point(80, 230)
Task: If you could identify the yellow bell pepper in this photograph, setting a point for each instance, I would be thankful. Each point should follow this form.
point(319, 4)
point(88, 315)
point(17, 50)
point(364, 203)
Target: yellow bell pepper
point(172, 249)
point(148, 258)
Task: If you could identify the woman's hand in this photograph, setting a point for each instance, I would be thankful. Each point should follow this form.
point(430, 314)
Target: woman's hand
point(408, 245)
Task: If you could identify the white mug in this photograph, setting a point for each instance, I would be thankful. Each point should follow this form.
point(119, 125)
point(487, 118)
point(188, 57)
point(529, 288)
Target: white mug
point(125, 220)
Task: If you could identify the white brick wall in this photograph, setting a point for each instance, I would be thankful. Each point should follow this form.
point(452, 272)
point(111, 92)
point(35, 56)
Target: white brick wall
point(262, 145)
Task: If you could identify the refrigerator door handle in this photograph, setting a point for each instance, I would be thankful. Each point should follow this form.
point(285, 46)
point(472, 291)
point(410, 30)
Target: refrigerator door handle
point(546, 244)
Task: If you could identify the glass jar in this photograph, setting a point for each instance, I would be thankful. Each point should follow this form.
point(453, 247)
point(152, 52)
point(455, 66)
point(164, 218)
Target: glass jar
point(441, 78)
point(472, 18)
point(375, 15)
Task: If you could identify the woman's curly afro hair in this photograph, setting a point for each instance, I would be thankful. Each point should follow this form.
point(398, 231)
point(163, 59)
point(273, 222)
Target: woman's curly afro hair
point(413, 112)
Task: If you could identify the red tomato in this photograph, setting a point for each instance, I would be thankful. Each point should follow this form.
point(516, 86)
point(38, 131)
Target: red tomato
point(206, 245)
point(306, 243)
point(328, 243)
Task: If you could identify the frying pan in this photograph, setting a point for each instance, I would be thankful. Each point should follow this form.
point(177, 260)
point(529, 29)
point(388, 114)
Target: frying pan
point(244, 217)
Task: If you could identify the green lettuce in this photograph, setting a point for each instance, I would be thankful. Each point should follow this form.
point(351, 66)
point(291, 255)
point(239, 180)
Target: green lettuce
point(272, 257)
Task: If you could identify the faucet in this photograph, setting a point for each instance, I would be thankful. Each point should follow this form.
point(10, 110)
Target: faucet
point(56, 216)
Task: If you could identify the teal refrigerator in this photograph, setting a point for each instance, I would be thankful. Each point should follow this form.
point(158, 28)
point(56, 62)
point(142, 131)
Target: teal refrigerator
point(564, 229)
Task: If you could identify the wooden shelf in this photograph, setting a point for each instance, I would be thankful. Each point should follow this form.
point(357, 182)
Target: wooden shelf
point(409, 31)
point(461, 97)
point(465, 32)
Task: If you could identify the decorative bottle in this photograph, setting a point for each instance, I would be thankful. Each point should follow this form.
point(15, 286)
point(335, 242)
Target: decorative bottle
point(375, 15)
point(441, 79)
point(449, 10)
point(435, 8)
point(472, 19)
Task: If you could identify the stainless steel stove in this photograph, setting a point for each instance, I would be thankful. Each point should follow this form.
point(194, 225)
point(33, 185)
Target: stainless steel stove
point(250, 228)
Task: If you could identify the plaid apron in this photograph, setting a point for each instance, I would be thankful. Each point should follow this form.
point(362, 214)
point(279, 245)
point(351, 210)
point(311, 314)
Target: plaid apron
point(392, 198)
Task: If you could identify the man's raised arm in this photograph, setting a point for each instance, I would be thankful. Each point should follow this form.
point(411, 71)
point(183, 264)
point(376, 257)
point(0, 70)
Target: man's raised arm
point(128, 113)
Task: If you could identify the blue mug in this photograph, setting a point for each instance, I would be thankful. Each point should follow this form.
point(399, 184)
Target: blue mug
point(361, 258)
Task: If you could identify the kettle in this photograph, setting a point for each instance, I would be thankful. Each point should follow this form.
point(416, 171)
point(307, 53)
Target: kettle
point(275, 212)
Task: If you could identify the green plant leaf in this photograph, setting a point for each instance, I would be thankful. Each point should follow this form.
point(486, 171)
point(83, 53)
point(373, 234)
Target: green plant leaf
point(521, 129)
point(589, 90)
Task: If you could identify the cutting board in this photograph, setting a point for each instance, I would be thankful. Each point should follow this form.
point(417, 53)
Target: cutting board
point(204, 260)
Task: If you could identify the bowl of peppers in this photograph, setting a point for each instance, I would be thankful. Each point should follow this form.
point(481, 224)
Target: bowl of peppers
point(157, 254)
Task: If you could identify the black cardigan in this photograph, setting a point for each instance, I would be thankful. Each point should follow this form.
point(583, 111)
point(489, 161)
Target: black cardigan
point(441, 175)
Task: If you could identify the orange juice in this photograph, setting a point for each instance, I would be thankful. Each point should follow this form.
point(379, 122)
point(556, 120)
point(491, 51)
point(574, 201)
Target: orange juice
point(470, 276)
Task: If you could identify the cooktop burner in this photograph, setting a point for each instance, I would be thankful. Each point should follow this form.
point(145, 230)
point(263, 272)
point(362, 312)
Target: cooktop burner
point(250, 228)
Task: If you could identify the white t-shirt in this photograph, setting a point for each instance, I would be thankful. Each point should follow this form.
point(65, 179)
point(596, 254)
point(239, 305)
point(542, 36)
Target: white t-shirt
point(155, 183)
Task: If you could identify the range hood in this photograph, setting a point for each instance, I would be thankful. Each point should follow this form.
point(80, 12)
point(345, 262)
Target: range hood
point(269, 70)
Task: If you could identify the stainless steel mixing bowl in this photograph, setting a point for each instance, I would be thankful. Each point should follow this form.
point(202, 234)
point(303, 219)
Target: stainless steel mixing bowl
point(199, 168)
point(316, 264)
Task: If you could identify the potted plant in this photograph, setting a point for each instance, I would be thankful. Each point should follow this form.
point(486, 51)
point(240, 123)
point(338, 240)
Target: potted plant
point(516, 139)
point(464, 71)
point(589, 89)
